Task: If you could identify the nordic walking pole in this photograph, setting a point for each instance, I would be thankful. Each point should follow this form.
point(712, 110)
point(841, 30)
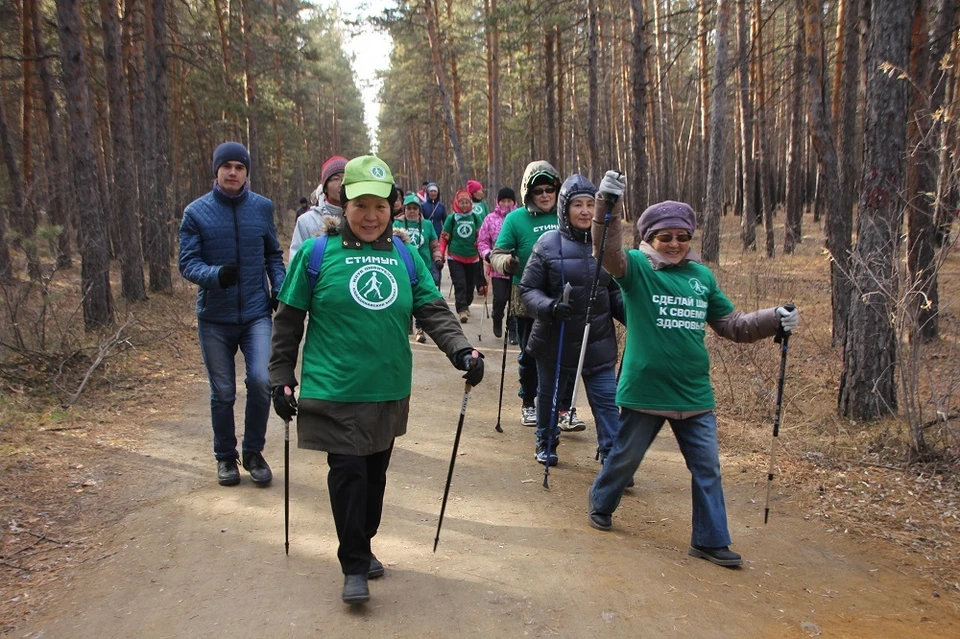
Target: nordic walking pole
point(556, 388)
point(503, 367)
point(286, 485)
point(609, 201)
point(480, 333)
point(782, 338)
point(453, 459)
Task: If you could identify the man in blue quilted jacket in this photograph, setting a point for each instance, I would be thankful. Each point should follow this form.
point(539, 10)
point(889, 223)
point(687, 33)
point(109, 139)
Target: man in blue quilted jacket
point(229, 249)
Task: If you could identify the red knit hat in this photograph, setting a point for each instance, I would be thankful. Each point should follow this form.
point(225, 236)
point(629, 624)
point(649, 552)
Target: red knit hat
point(473, 186)
point(331, 167)
point(462, 195)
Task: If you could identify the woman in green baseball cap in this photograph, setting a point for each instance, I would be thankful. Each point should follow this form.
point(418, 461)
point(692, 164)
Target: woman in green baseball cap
point(355, 396)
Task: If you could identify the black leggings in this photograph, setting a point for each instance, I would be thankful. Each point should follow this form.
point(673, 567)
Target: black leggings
point(464, 277)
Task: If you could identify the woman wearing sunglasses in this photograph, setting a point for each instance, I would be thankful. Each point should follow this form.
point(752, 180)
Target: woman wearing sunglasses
point(670, 297)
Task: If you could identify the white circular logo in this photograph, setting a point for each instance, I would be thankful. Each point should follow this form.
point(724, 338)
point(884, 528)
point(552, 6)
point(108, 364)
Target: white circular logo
point(416, 237)
point(374, 287)
point(464, 229)
point(697, 286)
point(478, 208)
point(378, 172)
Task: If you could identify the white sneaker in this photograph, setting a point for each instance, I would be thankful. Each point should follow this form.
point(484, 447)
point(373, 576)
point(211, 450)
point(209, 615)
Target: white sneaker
point(570, 425)
point(528, 415)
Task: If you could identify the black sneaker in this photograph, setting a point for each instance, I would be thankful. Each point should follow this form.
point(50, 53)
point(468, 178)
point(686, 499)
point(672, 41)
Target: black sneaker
point(355, 590)
point(256, 465)
point(498, 327)
point(227, 472)
point(376, 568)
point(513, 338)
point(721, 556)
point(599, 520)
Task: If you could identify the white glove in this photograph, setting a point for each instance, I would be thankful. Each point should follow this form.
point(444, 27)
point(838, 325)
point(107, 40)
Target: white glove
point(789, 319)
point(612, 185)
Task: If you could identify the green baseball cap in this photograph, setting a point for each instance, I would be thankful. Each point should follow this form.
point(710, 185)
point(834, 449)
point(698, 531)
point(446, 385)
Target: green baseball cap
point(411, 199)
point(367, 175)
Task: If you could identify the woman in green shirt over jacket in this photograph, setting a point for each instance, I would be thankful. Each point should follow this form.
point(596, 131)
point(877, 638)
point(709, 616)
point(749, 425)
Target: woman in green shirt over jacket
point(357, 363)
point(669, 298)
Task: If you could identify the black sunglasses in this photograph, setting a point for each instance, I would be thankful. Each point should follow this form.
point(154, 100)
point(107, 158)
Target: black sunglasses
point(547, 189)
point(666, 238)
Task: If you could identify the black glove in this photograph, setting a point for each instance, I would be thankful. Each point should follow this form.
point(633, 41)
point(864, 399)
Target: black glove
point(227, 275)
point(274, 302)
point(284, 402)
point(471, 360)
point(438, 264)
point(562, 310)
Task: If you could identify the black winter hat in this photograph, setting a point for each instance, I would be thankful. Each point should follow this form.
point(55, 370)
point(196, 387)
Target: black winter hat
point(506, 193)
point(230, 151)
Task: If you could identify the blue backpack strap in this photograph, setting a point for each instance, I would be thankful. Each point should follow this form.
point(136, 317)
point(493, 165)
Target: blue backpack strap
point(316, 260)
point(404, 252)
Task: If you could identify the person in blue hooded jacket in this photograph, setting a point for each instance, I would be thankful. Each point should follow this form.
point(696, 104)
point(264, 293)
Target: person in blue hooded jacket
point(229, 249)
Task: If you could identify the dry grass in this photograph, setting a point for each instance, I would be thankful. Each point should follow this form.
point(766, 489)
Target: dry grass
point(56, 462)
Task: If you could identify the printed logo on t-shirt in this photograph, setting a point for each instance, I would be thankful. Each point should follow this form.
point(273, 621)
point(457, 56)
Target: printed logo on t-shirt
point(464, 229)
point(416, 237)
point(374, 287)
point(477, 208)
point(697, 286)
point(545, 227)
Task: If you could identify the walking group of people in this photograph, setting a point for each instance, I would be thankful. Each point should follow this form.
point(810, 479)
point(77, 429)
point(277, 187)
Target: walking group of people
point(366, 260)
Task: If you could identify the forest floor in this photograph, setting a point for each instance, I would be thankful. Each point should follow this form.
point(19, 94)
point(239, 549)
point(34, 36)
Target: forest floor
point(113, 524)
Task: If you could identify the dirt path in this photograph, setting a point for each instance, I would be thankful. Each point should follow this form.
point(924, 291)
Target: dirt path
point(194, 559)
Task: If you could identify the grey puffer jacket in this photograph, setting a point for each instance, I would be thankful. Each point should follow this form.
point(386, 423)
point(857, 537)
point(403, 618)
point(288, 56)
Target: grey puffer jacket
point(566, 256)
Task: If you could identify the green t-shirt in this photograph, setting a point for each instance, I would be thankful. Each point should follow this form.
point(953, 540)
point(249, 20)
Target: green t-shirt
point(480, 208)
point(665, 362)
point(462, 229)
point(520, 232)
point(356, 348)
point(421, 234)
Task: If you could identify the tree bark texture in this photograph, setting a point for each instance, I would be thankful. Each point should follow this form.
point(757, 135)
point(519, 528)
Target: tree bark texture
point(94, 250)
point(868, 381)
point(710, 247)
point(838, 223)
point(639, 193)
point(433, 33)
point(793, 231)
point(748, 222)
point(593, 87)
point(124, 186)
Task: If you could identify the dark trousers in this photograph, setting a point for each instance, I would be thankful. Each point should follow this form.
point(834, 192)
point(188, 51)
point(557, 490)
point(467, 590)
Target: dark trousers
point(526, 364)
point(501, 295)
point(356, 485)
point(464, 278)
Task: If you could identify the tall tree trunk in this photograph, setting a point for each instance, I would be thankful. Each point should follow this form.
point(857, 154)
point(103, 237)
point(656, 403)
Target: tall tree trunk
point(59, 175)
point(158, 248)
point(945, 84)
point(94, 251)
point(493, 95)
point(764, 198)
point(593, 87)
point(430, 8)
point(839, 223)
point(794, 217)
point(639, 193)
point(845, 104)
point(124, 178)
point(704, 144)
point(718, 121)
point(868, 381)
point(550, 88)
point(16, 183)
point(748, 222)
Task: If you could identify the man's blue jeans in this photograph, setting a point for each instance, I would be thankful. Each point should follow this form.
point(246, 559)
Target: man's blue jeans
point(697, 437)
point(601, 391)
point(218, 345)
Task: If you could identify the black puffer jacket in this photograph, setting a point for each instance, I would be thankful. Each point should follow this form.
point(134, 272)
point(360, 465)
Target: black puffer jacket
point(567, 256)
